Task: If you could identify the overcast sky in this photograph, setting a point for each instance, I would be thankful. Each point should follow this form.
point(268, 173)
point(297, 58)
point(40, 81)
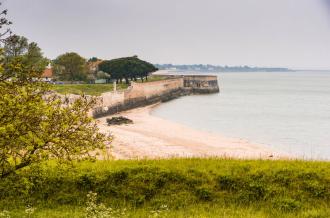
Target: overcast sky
point(283, 33)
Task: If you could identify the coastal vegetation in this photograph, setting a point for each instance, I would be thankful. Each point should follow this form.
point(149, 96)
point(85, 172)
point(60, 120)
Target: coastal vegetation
point(88, 89)
point(70, 67)
point(35, 125)
point(29, 53)
point(171, 188)
point(128, 68)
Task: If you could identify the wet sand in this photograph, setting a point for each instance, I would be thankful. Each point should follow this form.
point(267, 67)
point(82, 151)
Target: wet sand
point(153, 137)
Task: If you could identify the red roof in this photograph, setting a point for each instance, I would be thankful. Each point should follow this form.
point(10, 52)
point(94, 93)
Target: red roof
point(94, 64)
point(48, 73)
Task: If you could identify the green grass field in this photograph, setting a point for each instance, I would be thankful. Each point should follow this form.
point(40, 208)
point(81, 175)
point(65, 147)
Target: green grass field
point(96, 89)
point(88, 89)
point(153, 78)
point(172, 188)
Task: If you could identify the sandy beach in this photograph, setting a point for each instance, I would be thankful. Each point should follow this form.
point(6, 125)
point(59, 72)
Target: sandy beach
point(154, 137)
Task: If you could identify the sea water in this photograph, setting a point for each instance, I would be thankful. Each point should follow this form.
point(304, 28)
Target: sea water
point(288, 111)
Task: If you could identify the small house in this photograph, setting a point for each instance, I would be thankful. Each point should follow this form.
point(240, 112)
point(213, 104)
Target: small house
point(47, 75)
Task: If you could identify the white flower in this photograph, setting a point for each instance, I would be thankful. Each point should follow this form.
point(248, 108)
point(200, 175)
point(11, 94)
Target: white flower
point(4, 214)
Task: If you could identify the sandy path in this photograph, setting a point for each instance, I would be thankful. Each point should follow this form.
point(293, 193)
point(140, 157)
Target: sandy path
point(154, 137)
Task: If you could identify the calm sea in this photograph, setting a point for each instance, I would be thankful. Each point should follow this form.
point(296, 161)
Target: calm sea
point(288, 111)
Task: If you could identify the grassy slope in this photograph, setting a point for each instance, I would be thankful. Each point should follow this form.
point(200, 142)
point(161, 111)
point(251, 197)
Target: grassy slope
point(189, 187)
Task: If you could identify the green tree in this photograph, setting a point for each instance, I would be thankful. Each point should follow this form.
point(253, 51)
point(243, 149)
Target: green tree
point(143, 69)
point(93, 59)
point(18, 46)
point(127, 68)
point(36, 125)
point(34, 57)
point(70, 66)
point(15, 46)
point(113, 68)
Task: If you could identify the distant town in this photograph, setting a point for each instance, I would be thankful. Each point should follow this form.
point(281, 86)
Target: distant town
point(215, 68)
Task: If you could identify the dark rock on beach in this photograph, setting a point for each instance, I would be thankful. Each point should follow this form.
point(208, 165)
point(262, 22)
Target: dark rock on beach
point(118, 121)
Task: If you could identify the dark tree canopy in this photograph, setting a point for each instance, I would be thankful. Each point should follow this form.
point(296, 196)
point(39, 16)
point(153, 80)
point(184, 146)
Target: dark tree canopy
point(127, 68)
point(93, 59)
point(71, 67)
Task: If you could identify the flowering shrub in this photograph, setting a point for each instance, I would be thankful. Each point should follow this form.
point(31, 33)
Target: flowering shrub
point(160, 211)
point(29, 211)
point(95, 210)
point(4, 214)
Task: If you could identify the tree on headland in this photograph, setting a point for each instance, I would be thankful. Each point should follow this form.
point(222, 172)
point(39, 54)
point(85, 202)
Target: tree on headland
point(34, 57)
point(71, 67)
point(30, 54)
point(15, 46)
point(143, 69)
point(93, 59)
point(36, 125)
point(128, 68)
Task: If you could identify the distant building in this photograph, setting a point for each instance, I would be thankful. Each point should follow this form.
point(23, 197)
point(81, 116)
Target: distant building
point(100, 81)
point(93, 67)
point(47, 75)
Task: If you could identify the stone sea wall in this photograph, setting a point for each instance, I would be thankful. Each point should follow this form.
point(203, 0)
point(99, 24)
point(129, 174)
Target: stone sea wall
point(142, 94)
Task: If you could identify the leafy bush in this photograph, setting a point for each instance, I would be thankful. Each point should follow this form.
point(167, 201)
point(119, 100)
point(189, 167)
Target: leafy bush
point(204, 194)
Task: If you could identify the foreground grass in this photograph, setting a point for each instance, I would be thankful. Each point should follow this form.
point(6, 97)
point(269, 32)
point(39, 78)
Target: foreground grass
point(188, 188)
point(88, 89)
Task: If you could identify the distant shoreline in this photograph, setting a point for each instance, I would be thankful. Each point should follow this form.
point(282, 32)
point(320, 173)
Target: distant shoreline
point(216, 68)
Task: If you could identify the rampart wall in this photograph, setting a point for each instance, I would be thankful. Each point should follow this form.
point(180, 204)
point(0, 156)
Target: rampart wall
point(142, 94)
